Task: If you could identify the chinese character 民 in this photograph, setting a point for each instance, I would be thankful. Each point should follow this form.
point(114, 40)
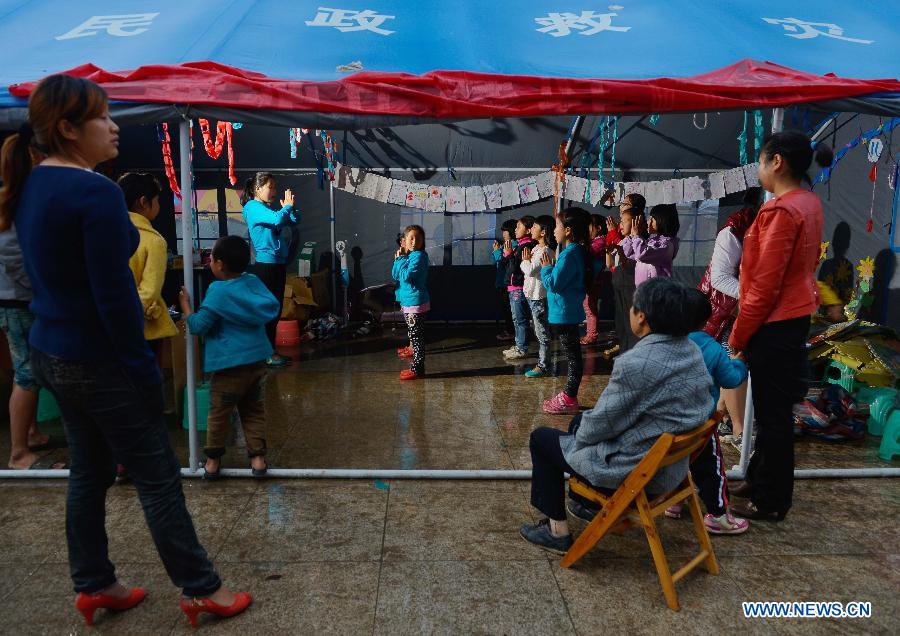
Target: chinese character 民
point(348, 20)
point(588, 23)
point(803, 30)
point(136, 23)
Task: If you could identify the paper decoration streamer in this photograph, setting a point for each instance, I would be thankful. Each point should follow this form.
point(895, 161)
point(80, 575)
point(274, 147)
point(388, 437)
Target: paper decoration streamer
point(166, 143)
point(214, 148)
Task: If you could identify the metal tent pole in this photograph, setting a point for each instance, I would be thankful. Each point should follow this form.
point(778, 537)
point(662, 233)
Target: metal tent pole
point(386, 473)
point(187, 250)
point(332, 220)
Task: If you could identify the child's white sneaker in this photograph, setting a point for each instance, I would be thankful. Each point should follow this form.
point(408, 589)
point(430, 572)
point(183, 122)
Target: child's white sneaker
point(515, 354)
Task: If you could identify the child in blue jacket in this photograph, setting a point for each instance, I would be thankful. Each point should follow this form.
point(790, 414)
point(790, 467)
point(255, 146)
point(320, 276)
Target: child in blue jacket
point(232, 321)
point(566, 283)
point(411, 271)
point(708, 468)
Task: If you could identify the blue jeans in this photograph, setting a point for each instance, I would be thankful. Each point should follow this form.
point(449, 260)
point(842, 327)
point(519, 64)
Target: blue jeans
point(520, 313)
point(110, 420)
point(16, 324)
point(541, 331)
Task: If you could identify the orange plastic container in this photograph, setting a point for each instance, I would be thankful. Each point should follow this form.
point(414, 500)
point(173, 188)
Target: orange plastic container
point(287, 333)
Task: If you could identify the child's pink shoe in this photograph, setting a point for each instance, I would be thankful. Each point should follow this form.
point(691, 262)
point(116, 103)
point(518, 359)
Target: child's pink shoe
point(726, 524)
point(674, 511)
point(561, 404)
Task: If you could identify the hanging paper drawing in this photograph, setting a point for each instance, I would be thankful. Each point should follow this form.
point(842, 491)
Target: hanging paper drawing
point(419, 193)
point(475, 201)
point(717, 185)
point(597, 192)
point(365, 185)
point(545, 184)
point(734, 180)
point(693, 189)
point(575, 189)
point(751, 175)
point(456, 199)
point(673, 191)
point(383, 189)
point(528, 192)
point(509, 194)
point(397, 192)
point(435, 201)
point(492, 196)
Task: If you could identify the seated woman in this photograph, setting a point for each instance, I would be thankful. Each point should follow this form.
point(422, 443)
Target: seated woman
point(659, 386)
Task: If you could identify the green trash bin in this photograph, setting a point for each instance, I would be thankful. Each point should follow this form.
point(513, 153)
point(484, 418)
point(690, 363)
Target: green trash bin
point(202, 401)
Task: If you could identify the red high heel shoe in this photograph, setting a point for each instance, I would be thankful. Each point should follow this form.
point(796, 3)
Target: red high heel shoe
point(87, 604)
point(192, 607)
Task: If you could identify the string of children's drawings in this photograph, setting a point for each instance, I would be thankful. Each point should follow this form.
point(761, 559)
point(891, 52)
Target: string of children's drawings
point(545, 185)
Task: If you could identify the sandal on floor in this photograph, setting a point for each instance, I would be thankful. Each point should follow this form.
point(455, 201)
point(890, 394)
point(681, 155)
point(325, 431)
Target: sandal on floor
point(212, 475)
point(46, 463)
point(259, 472)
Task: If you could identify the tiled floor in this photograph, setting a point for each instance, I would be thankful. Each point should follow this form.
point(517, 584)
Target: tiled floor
point(410, 557)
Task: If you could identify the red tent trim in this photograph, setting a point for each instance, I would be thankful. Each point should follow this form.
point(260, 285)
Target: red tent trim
point(457, 94)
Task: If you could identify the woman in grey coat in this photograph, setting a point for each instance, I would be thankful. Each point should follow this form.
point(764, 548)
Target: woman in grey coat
point(659, 386)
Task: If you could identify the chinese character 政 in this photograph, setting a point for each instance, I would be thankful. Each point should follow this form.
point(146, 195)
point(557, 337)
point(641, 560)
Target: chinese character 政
point(348, 20)
point(119, 25)
point(587, 23)
point(803, 30)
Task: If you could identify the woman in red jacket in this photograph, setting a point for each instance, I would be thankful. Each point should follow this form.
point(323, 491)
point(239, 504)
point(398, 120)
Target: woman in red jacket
point(778, 295)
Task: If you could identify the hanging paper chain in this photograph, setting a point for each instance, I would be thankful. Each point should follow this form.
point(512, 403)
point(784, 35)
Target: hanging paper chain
point(166, 143)
point(330, 148)
point(654, 119)
point(214, 149)
point(559, 175)
point(873, 176)
point(612, 161)
point(825, 174)
point(604, 139)
point(293, 133)
point(757, 133)
point(742, 142)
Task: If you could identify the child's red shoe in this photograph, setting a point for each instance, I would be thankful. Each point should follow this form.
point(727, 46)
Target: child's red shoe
point(405, 352)
point(409, 374)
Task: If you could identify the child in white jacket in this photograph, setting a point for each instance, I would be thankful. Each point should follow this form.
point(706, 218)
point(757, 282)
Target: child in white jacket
point(542, 232)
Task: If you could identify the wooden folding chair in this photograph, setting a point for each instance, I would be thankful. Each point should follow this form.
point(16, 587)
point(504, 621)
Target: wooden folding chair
point(630, 506)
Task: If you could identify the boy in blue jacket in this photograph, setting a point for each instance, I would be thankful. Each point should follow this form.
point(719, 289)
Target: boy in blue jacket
point(232, 321)
point(708, 468)
point(411, 271)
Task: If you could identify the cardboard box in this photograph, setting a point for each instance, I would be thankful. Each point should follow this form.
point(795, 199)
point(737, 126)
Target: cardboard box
point(298, 299)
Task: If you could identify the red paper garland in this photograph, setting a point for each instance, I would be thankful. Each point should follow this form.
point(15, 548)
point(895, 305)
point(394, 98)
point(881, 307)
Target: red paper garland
point(214, 150)
point(167, 161)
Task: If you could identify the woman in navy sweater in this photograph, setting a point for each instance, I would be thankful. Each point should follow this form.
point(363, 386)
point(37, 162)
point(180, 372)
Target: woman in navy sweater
point(88, 346)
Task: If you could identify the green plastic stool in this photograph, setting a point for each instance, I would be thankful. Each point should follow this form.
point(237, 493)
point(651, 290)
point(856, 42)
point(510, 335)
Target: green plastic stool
point(879, 409)
point(202, 402)
point(890, 443)
point(48, 409)
point(840, 374)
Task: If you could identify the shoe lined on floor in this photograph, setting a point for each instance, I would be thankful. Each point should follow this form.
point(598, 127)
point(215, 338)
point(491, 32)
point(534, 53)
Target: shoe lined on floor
point(87, 604)
point(193, 607)
point(515, 354)
point(539, 534)
point(561, 403)
point(405, 352)
point(749, 510)
point(583, 512)
point(537, 372)
point(409, 374)
point(725, 524)
point(674, 511)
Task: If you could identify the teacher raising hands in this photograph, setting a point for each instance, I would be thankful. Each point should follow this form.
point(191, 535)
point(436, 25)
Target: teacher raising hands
point(271, 240)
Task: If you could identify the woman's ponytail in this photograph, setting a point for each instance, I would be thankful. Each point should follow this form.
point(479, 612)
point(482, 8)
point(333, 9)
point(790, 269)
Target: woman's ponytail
point(15, 164)
point(248, 192)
